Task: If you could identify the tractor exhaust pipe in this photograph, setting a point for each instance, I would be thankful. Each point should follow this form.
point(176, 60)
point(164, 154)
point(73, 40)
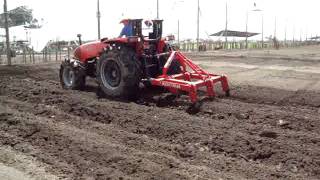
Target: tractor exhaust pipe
point(79, 37)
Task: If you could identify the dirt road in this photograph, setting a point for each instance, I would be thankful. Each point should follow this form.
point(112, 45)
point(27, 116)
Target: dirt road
point(260, 132)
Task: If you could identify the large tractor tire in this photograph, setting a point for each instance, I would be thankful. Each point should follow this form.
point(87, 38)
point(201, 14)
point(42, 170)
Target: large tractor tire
point(71, 77)
point(119, 72)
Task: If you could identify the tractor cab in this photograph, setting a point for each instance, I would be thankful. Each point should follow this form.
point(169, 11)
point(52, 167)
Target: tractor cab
point(137, 30)
point(146, 39)
point(145, 34)
point(136, 25)
point(156, 34)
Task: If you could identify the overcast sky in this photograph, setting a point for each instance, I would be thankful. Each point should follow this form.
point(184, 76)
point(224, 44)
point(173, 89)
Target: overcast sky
point(66, 18)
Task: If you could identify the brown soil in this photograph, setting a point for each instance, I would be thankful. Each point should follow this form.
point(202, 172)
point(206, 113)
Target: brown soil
point(257, 133)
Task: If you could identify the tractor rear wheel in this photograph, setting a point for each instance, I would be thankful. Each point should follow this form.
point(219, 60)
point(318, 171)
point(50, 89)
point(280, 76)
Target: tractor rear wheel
point(71, 77)
point(119, 72)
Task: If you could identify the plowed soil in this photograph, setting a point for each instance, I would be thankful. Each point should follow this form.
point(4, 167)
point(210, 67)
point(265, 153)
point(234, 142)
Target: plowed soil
point(257, 133)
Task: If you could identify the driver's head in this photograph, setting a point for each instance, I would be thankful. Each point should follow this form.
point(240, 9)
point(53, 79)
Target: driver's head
point(125, 21)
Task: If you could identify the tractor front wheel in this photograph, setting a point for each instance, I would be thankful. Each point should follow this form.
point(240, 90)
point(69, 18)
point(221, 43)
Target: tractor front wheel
point(119, 72)
point(71, 77)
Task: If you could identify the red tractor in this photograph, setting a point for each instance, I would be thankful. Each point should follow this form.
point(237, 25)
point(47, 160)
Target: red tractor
point(121, 64)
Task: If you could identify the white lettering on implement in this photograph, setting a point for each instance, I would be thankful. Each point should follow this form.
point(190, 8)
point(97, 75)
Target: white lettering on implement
point(169, 84)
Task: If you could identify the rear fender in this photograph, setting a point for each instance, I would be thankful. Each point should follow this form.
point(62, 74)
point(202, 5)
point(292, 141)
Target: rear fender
point(133, 42)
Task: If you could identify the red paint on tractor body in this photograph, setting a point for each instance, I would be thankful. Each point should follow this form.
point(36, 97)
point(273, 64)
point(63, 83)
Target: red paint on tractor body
point(89, 51)
point(94, 49)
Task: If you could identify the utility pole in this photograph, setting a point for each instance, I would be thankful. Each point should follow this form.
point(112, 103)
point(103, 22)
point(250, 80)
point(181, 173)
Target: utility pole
point(275, 26)
point(157, 9)
point(247, 29)
point(6, 25)
point(300, 35)
point(226, 28)
point(262, 24)
point(294, 31)
point(98, 17)
point(198, 24)
point(262, 39)
point(179, 33)
point(285, 34)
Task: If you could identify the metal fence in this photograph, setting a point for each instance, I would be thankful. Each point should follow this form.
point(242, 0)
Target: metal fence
point(216, 45)
point(28, 56)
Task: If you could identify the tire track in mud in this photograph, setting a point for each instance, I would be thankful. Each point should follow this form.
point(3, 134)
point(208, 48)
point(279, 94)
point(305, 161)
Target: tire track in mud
point(230, 138)
point(169, 160)
point(86, 150)
point(181, 150)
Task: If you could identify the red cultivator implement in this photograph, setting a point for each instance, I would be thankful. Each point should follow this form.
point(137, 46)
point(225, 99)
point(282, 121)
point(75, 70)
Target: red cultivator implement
point(189, 82)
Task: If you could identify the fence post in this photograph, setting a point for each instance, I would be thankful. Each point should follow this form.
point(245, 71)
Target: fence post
point(56, 54)
point(24, 56)
point(49, 52)
point(43, 51)
point(30, 55)
point(46, 54)
point(33, 60)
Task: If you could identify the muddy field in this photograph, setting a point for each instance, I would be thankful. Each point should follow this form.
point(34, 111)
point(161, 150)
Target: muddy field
point(260, 132)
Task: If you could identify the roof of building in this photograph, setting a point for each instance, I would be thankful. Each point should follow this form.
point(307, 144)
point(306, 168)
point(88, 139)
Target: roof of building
point(229, 33)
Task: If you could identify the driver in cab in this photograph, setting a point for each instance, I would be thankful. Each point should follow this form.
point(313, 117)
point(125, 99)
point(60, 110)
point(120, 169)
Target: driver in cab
point(127, 28)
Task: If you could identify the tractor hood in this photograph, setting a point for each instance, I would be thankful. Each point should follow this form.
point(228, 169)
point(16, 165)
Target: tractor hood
point(89, 51)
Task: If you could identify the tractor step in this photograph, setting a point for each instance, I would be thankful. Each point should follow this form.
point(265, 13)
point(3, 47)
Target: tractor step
point(189, 82)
